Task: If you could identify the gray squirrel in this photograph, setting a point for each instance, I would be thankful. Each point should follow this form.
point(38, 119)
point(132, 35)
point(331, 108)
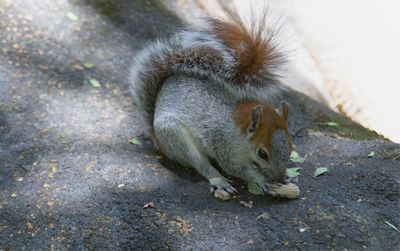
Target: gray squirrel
point(206, 94)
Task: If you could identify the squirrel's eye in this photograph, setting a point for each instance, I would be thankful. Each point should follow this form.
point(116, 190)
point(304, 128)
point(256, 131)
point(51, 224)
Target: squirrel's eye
point(262, 154)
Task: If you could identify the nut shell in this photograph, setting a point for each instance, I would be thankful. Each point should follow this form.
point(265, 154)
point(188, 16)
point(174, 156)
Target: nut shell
point(221, 194)
point(290, 191)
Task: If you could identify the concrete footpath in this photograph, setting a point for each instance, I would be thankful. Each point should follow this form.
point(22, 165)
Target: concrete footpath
point(70, 179)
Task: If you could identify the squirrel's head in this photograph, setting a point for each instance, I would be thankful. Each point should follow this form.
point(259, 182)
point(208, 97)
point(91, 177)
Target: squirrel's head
point(266, 129)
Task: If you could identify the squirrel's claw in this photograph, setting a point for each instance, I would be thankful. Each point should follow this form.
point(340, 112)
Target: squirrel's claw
point(219, 183)
point(263, 187)
point(267, 188)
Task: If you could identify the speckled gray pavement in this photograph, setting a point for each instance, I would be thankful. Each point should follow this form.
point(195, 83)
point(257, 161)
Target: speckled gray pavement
point(70, 179)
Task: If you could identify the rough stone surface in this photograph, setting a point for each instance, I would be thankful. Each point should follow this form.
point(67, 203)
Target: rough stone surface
point(70, 179)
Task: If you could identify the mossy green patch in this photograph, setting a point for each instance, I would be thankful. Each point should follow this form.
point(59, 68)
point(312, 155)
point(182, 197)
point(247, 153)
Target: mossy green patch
point(346, 128)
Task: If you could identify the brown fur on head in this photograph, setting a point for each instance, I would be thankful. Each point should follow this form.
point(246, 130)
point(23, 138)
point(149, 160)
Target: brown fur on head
point(268, 132)
point(268, 122)
point(255, 47)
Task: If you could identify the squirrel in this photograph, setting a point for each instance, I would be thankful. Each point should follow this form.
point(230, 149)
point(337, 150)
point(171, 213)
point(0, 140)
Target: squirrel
point(206, 94)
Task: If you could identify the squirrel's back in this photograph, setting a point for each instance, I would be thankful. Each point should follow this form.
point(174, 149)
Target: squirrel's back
point(199, 106)
point(224, 50)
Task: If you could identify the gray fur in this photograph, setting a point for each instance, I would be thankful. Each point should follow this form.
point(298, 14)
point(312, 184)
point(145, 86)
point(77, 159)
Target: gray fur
point(153, 65)
point(193, 123)
point(185, 94)
point(159, 60)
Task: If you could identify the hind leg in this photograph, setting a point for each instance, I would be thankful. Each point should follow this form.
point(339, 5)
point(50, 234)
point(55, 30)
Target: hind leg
point(178, 144)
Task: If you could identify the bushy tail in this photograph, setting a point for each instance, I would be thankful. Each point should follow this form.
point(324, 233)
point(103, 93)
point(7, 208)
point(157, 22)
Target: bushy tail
point(224, 49)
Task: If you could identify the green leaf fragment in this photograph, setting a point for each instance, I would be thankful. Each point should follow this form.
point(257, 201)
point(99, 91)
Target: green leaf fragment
point(392, 226)
point(72, 16)
point(331, 124)
point(94, 83)
point(135, 141)
point(371, 154)
point(253, 188)
point(88, 65)
point(293, 172)
point(296, 158)
point(263, 216)
point(320, 170)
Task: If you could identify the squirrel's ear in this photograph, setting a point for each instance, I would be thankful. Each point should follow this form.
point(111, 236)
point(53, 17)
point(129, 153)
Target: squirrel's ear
point(256, 113)
point(284, 110)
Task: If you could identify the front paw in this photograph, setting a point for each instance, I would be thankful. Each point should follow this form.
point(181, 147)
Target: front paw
point(221, 184)
point(262, 187)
